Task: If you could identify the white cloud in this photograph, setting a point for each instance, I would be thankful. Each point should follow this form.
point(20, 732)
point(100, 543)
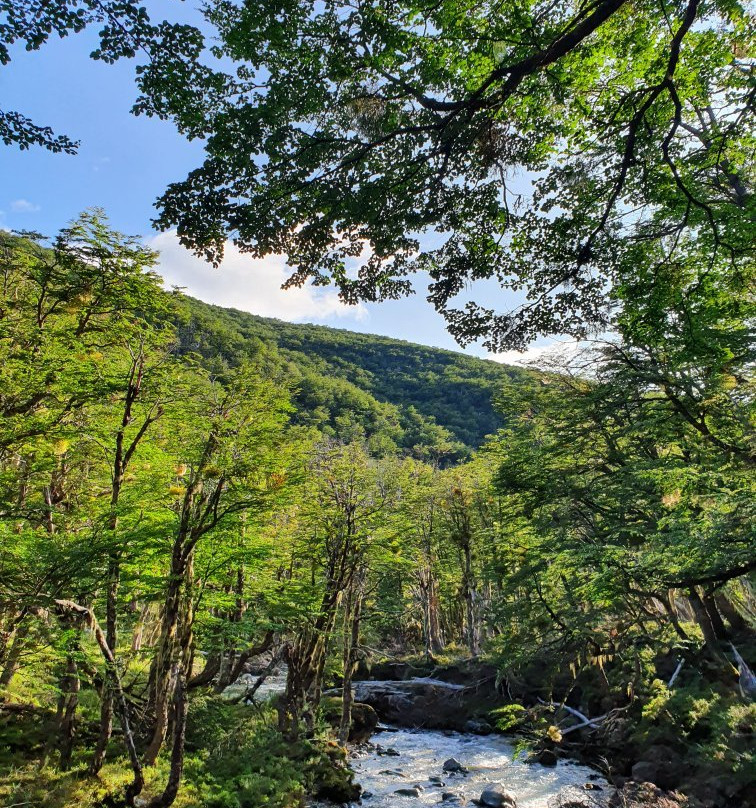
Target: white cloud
point(24, 206)
point(246, 283)
point(539, 355)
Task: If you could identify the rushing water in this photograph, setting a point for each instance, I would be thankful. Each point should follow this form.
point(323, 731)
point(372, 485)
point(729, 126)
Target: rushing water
point(271, 686)
point(490, 759)
point(419, 755)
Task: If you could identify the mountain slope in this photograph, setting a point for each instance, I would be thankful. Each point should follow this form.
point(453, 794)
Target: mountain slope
point(424, 388)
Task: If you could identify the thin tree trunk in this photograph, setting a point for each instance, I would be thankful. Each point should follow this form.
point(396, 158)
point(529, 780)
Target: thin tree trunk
point(726, 608)
point(137, 784)
point(669, 607)
point(352, 616)
point(716, 618)
point(434, 623)
point(165, 658)
point(264, 645)
point(473, 637)
point(207, 674)
point(704, 621)
point(13, 655)
point(121, 459)
point(67, 704)
point(170, 792)
point(106, 703)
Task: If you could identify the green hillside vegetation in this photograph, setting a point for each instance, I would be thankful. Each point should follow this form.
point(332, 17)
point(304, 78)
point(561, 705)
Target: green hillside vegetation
point(431, 401)
point(183, 488)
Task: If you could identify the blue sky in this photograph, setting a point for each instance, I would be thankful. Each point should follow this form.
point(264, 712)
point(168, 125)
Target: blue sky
point(125, 162)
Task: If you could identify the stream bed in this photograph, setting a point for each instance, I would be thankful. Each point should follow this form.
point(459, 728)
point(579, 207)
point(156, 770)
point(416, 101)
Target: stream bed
point(489, 759)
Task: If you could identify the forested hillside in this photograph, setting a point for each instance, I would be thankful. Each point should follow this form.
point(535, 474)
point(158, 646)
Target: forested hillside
point(230, 548)
point(333, 369)
point(184, 488)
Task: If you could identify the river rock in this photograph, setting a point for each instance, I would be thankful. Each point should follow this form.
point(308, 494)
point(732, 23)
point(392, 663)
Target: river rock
point(419, 702)
point(453, 766)
point(364, 718)
point(450, 798)
point(577, 804)
point(407, 792)
point(547, 757)
point(388, 751)
point(476, 727)
point(663, 772)
point(496, 796)
point(437, 781)
point(661, 766)
point(364, 722)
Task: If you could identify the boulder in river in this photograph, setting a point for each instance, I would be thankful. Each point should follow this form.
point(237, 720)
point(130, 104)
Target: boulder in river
point(547, 757)
point(422, 702)
point(496, 796)
point(450, 798)
point(452, 765)
point(364, 718)
point(407, 792)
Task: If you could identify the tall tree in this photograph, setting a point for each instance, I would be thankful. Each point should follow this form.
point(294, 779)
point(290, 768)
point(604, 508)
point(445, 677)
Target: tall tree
point(530, 143)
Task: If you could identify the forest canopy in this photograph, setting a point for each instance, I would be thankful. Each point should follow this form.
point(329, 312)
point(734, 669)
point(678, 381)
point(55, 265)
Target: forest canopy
point(538, 145)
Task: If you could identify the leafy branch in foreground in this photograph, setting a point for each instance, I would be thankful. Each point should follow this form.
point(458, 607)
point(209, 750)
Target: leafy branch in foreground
point(534, 144)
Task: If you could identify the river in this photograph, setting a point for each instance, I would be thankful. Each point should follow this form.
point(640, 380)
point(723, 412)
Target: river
point(417, 755)
point(490, 759)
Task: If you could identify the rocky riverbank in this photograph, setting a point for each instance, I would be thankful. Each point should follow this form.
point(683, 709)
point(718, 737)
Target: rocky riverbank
point(466, 698)
point(406, 767)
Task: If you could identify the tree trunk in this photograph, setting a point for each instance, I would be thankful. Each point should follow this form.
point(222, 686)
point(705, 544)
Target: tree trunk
point(306, 660)
point(726, 608)
point(137, 638)
point(166, 656)
point(111, 623)
point(716, 618)
point(704, 621)
point(435, 640)
point(669, 606)
point(68, 701)
point(13, 654)
point(121, 458)
point(264, 645)
point(207, 674)
point(137, 784)
point(352, 616)
point(472, 632)
point(168, 796)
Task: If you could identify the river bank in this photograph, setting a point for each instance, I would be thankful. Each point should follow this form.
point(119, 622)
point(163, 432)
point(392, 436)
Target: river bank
point(412, 767)
point(683, 746)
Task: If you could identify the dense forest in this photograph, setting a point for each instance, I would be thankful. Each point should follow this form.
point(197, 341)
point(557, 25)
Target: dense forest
point(427, 387)
point(169, 514)
point(196, 503)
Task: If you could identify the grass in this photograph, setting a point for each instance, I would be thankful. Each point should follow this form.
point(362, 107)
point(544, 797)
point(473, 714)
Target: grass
point(235, 758)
